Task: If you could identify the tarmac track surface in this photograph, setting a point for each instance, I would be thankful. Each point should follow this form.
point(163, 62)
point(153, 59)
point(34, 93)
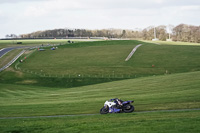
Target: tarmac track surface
point(6, 50)
point(56, 116)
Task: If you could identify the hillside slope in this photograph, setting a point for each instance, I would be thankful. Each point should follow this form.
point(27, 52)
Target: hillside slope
point(176, 91)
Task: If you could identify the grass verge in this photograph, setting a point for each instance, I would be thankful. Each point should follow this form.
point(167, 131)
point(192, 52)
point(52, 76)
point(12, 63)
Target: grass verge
point(164, 122)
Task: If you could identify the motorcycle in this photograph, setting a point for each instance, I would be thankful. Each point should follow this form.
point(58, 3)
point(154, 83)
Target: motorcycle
point(117, 106)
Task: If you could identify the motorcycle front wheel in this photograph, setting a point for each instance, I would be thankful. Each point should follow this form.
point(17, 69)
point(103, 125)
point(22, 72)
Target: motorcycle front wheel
point(104, 110)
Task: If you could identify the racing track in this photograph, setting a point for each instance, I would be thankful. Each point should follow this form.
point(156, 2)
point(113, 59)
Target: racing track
point(56, 116)
point(6, 50)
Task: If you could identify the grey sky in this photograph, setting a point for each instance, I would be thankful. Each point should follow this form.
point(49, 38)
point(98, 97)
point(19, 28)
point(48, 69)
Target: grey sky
point(25, 16)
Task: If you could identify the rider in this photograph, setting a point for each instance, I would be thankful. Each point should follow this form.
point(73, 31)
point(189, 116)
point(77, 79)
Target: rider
point(118, 102)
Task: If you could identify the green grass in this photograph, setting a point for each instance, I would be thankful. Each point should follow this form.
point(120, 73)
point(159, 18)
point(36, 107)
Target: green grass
point(89, 60)
point(87, 63)
point(177, 91)
point(34, 42)
point(23, 93)
point(173, 43)
point(165, 122)
point(107, 59)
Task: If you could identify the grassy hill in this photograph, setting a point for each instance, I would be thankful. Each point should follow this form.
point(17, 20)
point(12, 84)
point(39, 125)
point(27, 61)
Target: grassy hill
point(177, 91)
point(107, 58)
point(165, 122)
point(76, 79)
point(86, 63)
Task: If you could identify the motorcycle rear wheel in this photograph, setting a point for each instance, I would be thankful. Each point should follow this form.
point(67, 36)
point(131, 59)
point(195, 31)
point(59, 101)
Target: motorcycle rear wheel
point(128, 108)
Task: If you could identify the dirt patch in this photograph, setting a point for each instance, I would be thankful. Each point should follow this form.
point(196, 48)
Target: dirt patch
point(28, 52)
point(18, 73)
point(27, 82)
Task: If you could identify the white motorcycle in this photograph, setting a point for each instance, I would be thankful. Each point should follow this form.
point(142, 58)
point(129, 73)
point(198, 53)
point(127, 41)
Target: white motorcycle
point(117, 106)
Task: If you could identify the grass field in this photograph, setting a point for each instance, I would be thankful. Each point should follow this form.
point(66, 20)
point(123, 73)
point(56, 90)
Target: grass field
point(172, 43)
point(173, 83)
point(108, 59)
point(87, 63)
point(35, 42)
point(177, 91)
point(165, 122)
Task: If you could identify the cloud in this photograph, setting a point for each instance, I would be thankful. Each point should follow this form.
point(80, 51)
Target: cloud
point(22, 16)
point(50, 7)
point(34, 11)
point(18, 1)
point(191, 8)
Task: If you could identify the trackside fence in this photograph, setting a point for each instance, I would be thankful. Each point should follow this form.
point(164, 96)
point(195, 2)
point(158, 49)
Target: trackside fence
point(79, 76)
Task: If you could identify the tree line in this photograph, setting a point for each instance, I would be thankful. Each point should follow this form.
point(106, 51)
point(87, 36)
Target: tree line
point(181, 32)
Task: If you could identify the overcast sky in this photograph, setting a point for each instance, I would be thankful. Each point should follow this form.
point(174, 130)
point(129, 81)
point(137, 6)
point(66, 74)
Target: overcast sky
point(26, 16)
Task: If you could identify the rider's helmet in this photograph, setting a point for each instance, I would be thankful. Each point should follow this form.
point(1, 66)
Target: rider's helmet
point(119, 101)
